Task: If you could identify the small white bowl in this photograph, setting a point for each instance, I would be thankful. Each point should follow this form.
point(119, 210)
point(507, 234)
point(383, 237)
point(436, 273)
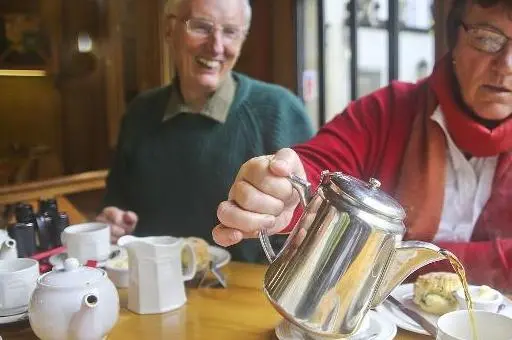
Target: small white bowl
point(118, 276)
point(117, 270)
point(486, 304)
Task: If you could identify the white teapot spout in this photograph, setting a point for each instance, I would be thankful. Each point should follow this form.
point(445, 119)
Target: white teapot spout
point(87, 323)
point(90, 300)
point(8, 249)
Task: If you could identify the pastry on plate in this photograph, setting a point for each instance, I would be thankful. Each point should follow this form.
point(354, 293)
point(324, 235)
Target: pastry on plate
point(200, 247)
point(434, 292)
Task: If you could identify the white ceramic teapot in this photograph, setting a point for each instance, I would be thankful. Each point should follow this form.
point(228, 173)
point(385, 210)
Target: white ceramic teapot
point(73, 303)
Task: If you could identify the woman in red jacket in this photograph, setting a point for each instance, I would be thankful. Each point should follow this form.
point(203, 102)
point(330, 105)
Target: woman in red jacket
point(442, 147)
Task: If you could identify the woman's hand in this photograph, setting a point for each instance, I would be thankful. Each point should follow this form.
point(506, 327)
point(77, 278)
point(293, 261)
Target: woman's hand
point(260, 198)
point(121, 222)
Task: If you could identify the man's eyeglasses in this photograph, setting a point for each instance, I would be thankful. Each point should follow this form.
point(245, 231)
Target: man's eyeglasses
point(202, 28)
point(485, 38)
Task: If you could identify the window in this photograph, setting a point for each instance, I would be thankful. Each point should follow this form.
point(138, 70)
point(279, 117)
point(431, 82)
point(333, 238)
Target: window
point(347, 49)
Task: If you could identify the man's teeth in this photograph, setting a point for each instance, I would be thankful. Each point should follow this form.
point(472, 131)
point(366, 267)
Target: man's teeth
point(208, 63)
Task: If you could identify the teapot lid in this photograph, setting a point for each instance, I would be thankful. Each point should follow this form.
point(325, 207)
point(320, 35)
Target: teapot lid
point(368, 195)
point(71, 275)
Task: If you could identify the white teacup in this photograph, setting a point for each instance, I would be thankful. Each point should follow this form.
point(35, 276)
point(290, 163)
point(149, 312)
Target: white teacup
point(87, 241)
point(18, 279)
point(456, 326)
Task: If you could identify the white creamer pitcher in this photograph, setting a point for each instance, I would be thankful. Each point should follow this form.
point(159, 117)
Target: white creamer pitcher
point(156, 276)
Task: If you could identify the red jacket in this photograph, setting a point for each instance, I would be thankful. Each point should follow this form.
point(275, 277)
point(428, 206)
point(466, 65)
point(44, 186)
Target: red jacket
point(369, 139)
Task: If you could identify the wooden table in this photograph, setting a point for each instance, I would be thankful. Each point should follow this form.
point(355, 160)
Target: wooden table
point(239, 312)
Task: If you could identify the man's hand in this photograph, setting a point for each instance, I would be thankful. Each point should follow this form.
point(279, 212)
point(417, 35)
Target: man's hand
point(121, 222)
point(261, 197)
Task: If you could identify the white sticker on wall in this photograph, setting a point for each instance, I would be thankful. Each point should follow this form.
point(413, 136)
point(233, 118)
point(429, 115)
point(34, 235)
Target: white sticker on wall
point(310, 85)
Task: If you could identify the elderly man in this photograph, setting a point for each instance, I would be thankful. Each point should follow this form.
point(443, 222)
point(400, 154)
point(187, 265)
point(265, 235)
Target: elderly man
point(180, 146)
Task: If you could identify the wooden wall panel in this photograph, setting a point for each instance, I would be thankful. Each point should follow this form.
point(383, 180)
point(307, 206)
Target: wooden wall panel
point(30, 116)
point(30, 6)
point(441, 8)
point(114, 70)
point(149, 19)
point(284, 49)
point(256, 55)
point(269, 52)
point(30, 112)
point(82, 86)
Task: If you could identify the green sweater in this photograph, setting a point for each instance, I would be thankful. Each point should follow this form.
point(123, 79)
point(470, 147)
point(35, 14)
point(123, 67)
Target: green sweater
point(174, 174)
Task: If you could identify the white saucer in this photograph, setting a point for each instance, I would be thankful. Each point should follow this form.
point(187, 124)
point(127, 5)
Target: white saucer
point(4, 320)
point(385, 329)
point(219, 256)
point(57, 260)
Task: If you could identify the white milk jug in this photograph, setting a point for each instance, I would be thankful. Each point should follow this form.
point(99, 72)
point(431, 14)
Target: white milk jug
point(156, 275)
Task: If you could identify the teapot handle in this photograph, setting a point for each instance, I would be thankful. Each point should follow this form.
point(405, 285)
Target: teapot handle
point(303, 187)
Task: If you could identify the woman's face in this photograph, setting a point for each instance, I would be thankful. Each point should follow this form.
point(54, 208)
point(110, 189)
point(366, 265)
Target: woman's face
point(484, 71)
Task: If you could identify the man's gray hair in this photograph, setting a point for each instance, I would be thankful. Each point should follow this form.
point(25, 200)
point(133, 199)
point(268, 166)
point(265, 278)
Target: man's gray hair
point(173, 5)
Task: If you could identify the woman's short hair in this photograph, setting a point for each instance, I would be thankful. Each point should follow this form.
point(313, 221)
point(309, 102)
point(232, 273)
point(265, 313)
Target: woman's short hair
point(457, 12)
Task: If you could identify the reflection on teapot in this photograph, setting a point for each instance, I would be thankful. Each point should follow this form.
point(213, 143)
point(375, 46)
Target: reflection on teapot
point(344, 257)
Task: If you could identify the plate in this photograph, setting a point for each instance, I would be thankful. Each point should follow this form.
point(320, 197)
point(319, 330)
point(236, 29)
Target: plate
point(57, 260)
point(377, 324)
point(219, 256)
point(404, 293)
point(4, 320)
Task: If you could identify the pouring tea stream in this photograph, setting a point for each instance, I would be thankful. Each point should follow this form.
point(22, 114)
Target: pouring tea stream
point(344, 256)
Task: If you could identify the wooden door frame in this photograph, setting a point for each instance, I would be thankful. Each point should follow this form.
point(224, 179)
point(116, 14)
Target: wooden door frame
point(441, 10)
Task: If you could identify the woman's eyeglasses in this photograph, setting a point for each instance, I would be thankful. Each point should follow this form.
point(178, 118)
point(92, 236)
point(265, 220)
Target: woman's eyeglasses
point(485, 38)
point(202, 28)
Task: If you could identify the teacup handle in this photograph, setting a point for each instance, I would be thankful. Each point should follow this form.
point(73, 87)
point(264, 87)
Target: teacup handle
point(191, 267)
point(303, 187)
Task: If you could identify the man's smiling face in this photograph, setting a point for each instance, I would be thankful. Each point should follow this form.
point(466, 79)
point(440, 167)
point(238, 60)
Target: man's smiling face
point(206, 38)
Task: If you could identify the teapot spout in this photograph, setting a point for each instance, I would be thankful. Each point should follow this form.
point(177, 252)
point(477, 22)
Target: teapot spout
point(8, 250)
point(408, 257)
point(90, 301)
point(87, 322)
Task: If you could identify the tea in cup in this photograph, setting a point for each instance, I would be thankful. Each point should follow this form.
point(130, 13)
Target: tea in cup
point(456, 326)
point(18, 279)
point(87, 241)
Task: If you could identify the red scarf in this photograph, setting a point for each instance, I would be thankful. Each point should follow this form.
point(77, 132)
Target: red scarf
point(469, 136)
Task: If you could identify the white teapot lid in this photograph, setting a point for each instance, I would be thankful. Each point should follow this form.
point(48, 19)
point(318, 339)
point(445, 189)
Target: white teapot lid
point(72, 275)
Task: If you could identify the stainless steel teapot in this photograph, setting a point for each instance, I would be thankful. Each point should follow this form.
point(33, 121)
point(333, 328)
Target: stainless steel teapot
point(343, 257)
